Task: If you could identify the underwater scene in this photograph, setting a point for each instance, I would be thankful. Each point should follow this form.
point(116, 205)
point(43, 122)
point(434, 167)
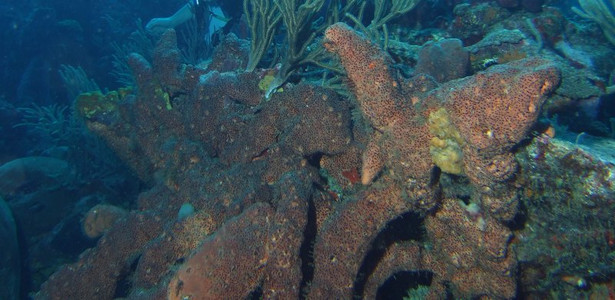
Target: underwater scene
point(315, 149)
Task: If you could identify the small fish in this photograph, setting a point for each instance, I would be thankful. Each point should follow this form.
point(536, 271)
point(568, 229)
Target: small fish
point(576, 281)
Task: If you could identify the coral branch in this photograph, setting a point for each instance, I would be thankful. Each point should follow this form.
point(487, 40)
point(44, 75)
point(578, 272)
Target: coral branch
point(601, 12)
point(263, 18)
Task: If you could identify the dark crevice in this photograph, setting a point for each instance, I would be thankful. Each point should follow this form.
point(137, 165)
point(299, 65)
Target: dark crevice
point(466, 199)
point(406, 227)
point(434, 176)
point(314, 159)
point(448, 291)
point(306, 251)
point(179, 261)
point(124, 281)
point(256, 294)
point(405, 284)
point(539, 127)
point(519, 220)
point(261, 154)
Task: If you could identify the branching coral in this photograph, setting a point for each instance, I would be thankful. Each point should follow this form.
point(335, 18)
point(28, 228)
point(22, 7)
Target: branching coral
point(76, 81)
point(298, 17)
point(263, 18)
point(51, 121)
point(384, 11)
point(601, 12)
point(303, 22)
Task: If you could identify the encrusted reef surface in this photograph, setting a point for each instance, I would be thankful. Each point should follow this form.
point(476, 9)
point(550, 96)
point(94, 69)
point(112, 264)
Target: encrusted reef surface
point(294, 197)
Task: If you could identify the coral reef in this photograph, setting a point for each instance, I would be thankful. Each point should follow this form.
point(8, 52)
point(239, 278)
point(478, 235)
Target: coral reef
point(555, 252)
point(111, 259)
point(423, 170)
point(443, 60)
point(101, 218)
point(489, 113)
point(208, 274)
point(279, 211)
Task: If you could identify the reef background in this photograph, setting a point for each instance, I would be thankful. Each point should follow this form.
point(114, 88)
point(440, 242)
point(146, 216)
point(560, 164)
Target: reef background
point(462, 150)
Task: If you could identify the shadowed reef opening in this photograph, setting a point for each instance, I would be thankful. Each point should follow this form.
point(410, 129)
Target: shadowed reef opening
point(307, 250)
point(406, 284)
point(406, 227)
